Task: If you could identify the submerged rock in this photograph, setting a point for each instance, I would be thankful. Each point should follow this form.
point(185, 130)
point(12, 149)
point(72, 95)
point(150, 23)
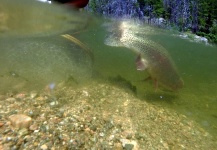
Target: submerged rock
point(20, 121)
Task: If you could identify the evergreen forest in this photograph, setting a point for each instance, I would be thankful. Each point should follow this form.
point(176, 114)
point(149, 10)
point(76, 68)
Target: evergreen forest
point(197, 16)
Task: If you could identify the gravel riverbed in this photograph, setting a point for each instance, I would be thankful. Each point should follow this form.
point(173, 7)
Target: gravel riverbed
point(97, 116)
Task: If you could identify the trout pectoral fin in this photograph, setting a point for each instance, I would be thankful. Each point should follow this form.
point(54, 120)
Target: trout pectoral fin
point(155, 84)
point(141, 63)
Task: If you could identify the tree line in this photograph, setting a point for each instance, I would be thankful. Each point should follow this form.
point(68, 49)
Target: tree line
point(198, 16)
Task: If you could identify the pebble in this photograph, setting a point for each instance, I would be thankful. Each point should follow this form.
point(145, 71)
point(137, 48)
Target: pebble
point(8, 139)
point(128, 146)
point(20, 96)
point(111, 137)
point(33, 127)
point(140, 136)
point(13, 148)
point(23, 132)
point(1, 124)
point(118, 146)
point(28, 138)
point(101, 134)
point(20, 121)
point(54, 103)
point(129, 136)
point(40, 98)
point(85, 93)
point(11, 99)
point(35, 143)
point(33, 94)
point(44, 147)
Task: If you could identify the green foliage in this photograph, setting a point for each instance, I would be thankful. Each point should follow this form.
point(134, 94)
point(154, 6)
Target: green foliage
point(158, 8)
point(93, 6)
point(211, 37)
point(200, 16)
point(201, 34)
point(213, 29)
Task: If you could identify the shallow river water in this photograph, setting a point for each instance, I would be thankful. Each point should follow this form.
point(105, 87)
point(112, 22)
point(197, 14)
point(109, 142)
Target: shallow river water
point(26, 62)
point(196, 63)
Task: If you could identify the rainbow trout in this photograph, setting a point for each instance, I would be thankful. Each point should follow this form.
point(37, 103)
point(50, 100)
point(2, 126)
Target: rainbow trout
point(151, 56)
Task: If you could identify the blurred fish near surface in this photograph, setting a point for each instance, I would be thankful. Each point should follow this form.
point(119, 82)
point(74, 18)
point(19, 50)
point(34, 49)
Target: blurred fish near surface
point(32, 46)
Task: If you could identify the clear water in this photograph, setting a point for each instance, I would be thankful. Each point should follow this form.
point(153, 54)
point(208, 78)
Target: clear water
point(54, 58)
point(196, 63)
point(33, 63)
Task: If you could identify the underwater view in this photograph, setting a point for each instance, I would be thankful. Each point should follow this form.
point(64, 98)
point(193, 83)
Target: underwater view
point(195, 63)
point(70, 80)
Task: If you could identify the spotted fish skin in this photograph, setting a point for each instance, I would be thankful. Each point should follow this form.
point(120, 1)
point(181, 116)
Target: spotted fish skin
point(151, 56)
point(159, 65)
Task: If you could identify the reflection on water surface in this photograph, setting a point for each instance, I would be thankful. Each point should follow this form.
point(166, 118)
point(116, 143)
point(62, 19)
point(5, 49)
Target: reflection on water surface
point(33, 18)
